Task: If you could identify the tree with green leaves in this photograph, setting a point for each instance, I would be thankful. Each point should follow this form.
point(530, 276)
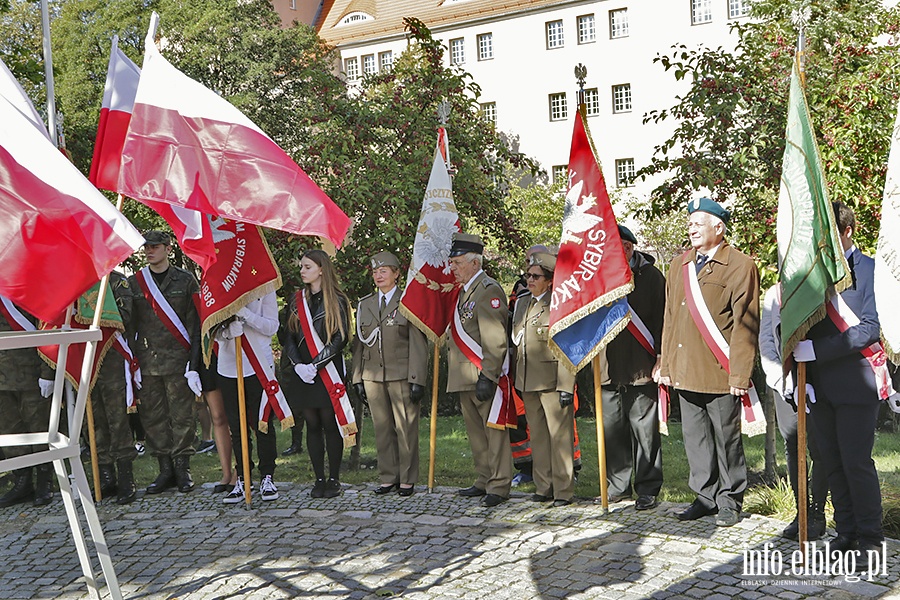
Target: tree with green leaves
point(729, 137)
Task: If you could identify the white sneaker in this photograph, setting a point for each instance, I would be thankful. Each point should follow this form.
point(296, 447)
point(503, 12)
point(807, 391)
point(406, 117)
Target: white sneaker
point(140, 448)
point(236, 495)
point(268, 489)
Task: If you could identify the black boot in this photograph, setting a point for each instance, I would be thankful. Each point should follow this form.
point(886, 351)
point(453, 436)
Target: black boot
point(21, 490)
point(296, 442)
point(815, 529)
point(107, 480)
point(166, 477)
point(183, 473)
point(43, 487)
point(126, 492)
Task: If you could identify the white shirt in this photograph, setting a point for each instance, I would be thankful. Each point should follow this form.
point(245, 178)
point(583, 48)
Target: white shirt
point(468, 284)
point(258, 329)
point(387, 297)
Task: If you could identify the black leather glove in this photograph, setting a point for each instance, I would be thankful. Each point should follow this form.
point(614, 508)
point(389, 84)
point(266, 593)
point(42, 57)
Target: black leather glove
point(361, 392)
point(416, 392)
point(566, 399)
point(484, 388)
point(789, 398)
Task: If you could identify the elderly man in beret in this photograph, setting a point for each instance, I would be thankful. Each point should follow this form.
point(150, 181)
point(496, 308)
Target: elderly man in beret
point(482, 321)
point(630, 417)
point(712, 310)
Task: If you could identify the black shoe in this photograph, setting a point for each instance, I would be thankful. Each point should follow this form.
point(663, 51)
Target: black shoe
point(223, 488)
point(332, 488)
point(695, 511)
point(843, 543)
point(407, 492)
point(815, 529)
point(108, 483)
point(865, 546)
point(386, 489)
point(561, 502)
point(540, 498)
point(490, 500)
point(126, 492)
point(728, 517)
point(645, 502)
point(21, 491)
point(43, 485)
point(318, 490)
point(291, 450)
point(792, 531)
point(166, 478)
point(183, 474)
point(471, 492)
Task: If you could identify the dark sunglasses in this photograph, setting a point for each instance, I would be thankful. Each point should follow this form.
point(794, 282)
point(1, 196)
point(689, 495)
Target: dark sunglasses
point(534, 275)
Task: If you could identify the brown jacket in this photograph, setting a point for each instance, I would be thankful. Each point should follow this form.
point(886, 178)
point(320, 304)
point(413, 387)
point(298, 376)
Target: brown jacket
point(484, 312)
point(537, 369)
point(729, 283)
point(399, 353)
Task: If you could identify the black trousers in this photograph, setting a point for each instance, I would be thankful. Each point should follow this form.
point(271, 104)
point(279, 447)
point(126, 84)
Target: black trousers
point(631, 429)
point(818, 479)
point(265, 441)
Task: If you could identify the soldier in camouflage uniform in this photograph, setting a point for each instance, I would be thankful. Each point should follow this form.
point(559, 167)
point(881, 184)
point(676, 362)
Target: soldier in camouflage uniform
point(23, 409)
point(115, 450)
point(166, 399)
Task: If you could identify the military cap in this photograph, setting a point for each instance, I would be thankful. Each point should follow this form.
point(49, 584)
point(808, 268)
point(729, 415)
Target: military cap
point(544, 260)
point(463, 243)
point(384, 259)
point(710, 206)
point(155, 236)
point(626, 234)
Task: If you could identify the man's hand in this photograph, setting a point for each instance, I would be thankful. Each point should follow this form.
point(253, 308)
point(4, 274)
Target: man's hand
point(738, 392)
point(306, 372)
point(361, 392)
point(46, 386)
point(804, 351)
point(484, 388)
point(416, 392)
point(193, 380)
point(566, 399)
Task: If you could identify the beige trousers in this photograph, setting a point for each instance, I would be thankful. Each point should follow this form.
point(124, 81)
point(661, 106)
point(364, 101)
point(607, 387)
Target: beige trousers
point(396, 421)
point(552, 429)
point(490, 447)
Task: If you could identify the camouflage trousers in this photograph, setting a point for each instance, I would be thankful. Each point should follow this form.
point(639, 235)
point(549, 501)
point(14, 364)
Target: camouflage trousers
point(112, 430)
point(167, 412)
point(23, 412)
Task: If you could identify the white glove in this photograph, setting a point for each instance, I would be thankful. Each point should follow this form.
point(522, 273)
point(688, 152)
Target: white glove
point(46, 386)
point(810, 396)
point(193, 380)
point(235, 328)
point(893, 402)
point(804, 352)
point(138, 379)
point(306, 372)
point(245, 314)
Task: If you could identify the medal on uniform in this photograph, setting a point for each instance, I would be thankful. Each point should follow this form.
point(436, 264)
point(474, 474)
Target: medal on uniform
point(390, 320)
point(468, 311)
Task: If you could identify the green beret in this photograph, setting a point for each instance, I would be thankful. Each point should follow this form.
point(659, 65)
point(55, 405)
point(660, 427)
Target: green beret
point(155, 237)
point(544, 260)
point(710, 206)
point(384, 259)
point(626, 234)
point(463, 243)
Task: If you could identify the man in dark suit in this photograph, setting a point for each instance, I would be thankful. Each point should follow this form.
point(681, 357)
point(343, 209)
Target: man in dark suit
point(846, 400)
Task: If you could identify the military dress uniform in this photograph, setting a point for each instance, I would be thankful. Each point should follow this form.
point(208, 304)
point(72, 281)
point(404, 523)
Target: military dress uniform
point(541, 377)
point(389, 355)
point(166, 400)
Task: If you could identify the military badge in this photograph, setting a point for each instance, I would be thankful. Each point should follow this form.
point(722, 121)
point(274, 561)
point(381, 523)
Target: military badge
point(468, 311)
point(495, 302)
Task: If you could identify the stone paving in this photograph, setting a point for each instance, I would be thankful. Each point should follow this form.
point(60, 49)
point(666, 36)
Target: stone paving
point(427, 546)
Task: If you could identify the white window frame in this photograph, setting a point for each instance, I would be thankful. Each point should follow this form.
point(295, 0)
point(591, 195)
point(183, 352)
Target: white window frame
point(369, 65)
point(555, 34)
point(386, 60)
point(489, 112)
point(351, 68)
point(701, 12)
point(355, 17)
point(625, 172)
point(587, 29)
point(618, 28)
point(457, 51)
point(485, 43)
point(559, 173)
point(559, 106)
point(622, 100)
point(738, 9)
point(592, 102)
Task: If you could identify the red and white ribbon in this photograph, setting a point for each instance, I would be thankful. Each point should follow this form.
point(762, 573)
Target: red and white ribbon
point(844, 318)
point(273, 399)
point(642, 334)
point(753, 420)
point(337, 390)
point(162, 308)
point(132, 371)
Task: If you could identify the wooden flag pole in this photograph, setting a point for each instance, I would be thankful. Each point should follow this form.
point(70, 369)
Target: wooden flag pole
point(242, 409)
point(434, 407)
point(601, 435)
point(802, 502)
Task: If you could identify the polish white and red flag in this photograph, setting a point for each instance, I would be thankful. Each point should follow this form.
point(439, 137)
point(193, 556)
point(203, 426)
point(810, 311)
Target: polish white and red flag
point(58, 234)
point(191, 228)
point(187, 146)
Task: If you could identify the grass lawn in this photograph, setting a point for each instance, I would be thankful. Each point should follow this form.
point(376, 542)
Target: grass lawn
point(455, 468)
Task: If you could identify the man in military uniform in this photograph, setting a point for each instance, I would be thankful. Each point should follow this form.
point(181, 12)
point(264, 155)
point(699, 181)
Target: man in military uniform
point(115, 449)
point(389, 368)
point(482, 316)
point(709, 393)
point(167, 346)
point(24, 408)
point(630, 418)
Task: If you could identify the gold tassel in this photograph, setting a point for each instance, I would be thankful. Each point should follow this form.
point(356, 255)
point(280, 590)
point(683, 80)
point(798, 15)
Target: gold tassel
point(263, 427)
point(287, 423)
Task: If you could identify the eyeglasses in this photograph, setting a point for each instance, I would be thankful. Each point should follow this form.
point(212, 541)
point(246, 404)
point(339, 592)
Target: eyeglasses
point(534, 276)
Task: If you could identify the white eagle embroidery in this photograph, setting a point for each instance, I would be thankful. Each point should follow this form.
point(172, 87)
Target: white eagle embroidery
point(576, 218)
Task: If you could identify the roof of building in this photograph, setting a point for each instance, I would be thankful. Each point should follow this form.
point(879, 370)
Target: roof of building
point(387, 15)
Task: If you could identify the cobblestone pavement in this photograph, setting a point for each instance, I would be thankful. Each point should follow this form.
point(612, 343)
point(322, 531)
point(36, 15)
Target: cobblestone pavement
point(427, 546)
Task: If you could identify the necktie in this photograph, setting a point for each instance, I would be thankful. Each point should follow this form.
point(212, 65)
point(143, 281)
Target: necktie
point(382, 306)
point(701, 260)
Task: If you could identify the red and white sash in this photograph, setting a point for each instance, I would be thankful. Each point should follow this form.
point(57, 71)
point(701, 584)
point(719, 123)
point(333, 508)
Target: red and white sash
point(17, 321)
point(132, 371)
point(844, 318)
point(642, 334)
point(162, 308)
point(503, 410)
point(753, 420)
point(273, 400)
point(337, 391)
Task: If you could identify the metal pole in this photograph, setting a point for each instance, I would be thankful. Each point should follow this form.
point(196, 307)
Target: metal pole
point(48, 73)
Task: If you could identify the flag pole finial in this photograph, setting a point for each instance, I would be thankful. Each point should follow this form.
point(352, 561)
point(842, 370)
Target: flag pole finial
point(800, 17)
point(581, 76)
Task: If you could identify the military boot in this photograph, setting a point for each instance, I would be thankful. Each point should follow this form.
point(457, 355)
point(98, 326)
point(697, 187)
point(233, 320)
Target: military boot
point(43, 487)
point(21, 490)
point(126, 489)
point(107, 480)
point(183, 473)
point(166, 478)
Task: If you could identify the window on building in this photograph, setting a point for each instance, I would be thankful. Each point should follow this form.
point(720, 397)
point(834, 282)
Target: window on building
point(351, 68)
point(618, 23)
point(559, 109)
point(457, 51)
point(386, 60)
point(355, 17)
point(560, 172)
point(555, 34)
point(369, 66)
point(592, 102)
point(293, 4)
point(486, 46)
point(587, 29)
point(738, 8)
point(624, 172)
point(701, 12)
point(621, 97)
point(489, 112)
